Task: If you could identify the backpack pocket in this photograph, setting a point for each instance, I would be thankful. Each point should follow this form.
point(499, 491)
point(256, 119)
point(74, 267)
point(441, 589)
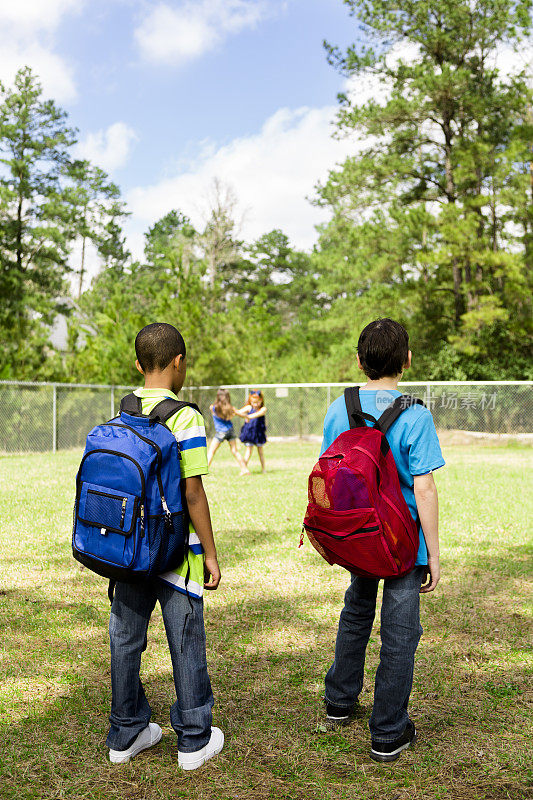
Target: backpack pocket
point(168, 535)
point(105, 534)
point(341, 523)
point(353, 539)
point(111, 509)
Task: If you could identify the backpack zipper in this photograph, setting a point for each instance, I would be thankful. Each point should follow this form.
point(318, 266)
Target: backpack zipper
point(371, 529)
point(123, 512)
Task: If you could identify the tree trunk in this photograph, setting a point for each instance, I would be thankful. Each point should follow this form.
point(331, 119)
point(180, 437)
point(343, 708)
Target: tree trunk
point(528, 232)
point(450, 193)
point(19, 233)
point(469, 292)
point(82, 267)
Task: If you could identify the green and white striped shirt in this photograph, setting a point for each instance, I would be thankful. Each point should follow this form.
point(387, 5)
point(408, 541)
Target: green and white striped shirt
point(188, 427)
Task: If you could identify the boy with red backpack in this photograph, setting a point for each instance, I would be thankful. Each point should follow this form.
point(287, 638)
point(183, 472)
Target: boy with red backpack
point(383, 354)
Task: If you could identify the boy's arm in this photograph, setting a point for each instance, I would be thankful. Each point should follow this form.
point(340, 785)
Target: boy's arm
point(427, 503)
point(201, 520)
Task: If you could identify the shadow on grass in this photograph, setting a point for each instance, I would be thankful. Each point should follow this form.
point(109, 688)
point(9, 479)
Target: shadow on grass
point(268, 655)
point(239, 546)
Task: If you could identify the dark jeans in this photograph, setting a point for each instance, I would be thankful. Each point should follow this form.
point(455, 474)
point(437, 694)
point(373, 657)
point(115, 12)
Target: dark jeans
point(400, 634)
point(130, 712)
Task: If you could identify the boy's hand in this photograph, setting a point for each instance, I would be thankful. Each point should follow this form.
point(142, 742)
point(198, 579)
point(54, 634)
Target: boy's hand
point(432, 575)
point(211, 573)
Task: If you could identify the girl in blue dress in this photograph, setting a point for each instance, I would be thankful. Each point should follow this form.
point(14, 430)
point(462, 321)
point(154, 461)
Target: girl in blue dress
point(253, 432)
point(222, 411)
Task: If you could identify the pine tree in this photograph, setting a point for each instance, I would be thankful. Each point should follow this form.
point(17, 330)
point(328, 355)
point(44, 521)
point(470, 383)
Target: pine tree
point(48, 204)
point(34, 221)
point(96, 210)
point(432, 218)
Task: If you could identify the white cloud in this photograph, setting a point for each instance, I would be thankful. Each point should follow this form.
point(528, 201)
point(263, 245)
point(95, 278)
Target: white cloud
point(366, 86)
point(510, 61)
point(175, 35)
point(109, 149)
point(54, 74)
point(32, 15)
point(26, 39)
point(91, 264)
point(272, 173)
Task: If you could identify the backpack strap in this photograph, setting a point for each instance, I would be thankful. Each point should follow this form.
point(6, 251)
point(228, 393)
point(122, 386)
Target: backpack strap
point(356, 415)
point(168, 407)
point(392, 413)
point(131, 404)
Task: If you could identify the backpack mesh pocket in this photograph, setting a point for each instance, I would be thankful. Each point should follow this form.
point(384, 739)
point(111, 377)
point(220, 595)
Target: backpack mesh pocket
point(104, 509)
point(168, 537)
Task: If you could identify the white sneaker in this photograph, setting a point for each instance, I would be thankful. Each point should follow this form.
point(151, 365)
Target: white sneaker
point(147, 738)
point(199, 757)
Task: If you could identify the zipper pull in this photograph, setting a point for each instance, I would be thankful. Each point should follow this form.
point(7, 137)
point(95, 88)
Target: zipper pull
point(168, 518)
point(123, 514)
point(301, 538)
point(142, 520)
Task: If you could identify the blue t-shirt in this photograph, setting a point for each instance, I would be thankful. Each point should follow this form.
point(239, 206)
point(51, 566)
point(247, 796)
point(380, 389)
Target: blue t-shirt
point(221, 425)
point(412, 437)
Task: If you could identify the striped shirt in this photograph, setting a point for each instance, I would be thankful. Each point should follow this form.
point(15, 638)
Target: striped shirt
point(188, 427)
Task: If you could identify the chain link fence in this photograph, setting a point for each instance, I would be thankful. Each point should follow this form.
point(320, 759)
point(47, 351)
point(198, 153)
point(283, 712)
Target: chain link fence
point(41, 417)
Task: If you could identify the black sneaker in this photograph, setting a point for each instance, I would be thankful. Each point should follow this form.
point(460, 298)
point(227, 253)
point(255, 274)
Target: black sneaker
point(338, 716)
point(390, 751)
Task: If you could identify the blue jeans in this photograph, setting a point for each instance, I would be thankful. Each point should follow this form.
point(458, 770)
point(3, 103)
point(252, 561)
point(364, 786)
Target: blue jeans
point(400, 634)
point(130, 712)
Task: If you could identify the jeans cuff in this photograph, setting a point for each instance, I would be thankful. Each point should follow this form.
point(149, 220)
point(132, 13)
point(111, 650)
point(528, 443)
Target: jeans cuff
point(390, 738)
point(195, 748)
point(339, 705)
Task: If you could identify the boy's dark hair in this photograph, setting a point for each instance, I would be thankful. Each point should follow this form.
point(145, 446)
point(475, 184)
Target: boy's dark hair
point(157, 345)
point(383, 348)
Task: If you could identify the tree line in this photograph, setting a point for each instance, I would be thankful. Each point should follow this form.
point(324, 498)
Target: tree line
point(430, 222)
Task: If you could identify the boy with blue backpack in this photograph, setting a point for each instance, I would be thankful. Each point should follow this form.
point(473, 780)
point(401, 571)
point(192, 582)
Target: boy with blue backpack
point(142, 518)
point(384, 519)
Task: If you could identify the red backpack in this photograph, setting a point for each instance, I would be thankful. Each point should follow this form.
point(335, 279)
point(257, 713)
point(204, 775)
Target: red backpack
point(357, 516)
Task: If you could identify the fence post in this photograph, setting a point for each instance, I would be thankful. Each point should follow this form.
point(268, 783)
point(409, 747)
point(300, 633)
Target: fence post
point(112, 393)
point(247, 392)
point(54, 418)
point(428, 396)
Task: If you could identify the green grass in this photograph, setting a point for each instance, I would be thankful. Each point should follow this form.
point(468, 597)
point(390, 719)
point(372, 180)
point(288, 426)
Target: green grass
point(271, 629)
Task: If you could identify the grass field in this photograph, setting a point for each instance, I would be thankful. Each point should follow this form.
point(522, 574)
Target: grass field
point(271, 629)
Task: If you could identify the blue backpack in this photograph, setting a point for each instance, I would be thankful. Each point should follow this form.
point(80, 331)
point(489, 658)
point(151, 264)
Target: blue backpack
point(130, 518)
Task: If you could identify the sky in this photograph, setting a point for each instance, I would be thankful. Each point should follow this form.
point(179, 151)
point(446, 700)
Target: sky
point(168, 95)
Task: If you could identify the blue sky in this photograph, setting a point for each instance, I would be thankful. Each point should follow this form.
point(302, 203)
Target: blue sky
point(225, 92)
point(168, 95)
